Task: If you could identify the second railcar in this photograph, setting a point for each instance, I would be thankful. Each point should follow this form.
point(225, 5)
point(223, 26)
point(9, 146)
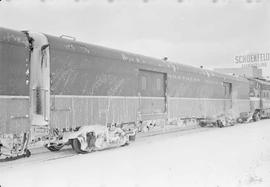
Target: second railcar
point(259, 98)
point(92, 84)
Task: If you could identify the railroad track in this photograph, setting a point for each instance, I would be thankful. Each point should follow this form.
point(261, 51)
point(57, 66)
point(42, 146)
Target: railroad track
point(43, 155)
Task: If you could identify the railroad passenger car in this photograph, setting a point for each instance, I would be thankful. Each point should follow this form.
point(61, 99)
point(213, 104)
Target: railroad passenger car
point(92, 84)
point(52, 83)
point(259, 98)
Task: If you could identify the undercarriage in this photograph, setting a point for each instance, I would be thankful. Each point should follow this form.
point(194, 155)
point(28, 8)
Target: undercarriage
point(13, 147)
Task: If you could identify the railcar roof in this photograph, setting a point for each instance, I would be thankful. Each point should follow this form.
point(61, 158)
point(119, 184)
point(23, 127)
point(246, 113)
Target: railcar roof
point(95, 50)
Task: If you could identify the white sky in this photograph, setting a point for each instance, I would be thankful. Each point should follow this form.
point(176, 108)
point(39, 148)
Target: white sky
point(195, 32)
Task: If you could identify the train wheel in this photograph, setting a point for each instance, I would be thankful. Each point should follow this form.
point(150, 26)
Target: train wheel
point(125, 144)
point(202, 123)
point(132, 138)
point(55, 147)
point(76, 146)
point(220, 124)
point(27, 153)
point(256, 116)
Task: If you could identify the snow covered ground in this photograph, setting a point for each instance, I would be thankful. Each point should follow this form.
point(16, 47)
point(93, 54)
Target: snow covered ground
point(233, 156)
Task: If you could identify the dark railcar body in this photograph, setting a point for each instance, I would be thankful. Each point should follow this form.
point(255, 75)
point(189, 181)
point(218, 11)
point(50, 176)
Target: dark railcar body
point(14, 92)
point(14, 58)
point(93, 84)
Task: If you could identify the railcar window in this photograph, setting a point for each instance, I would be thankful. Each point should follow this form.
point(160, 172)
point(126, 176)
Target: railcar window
point(227, 89)
point(37, 100)
point(158, 84)
point(143, 82)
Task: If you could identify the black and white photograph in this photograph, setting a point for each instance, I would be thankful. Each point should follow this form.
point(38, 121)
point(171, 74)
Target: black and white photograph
point(134, 93)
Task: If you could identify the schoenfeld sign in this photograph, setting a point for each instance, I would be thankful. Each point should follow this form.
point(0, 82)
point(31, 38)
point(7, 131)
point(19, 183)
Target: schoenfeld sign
point(260, 57)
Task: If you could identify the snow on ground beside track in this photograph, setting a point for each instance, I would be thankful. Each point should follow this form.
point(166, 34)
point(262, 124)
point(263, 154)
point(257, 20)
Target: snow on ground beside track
point(234, 156)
